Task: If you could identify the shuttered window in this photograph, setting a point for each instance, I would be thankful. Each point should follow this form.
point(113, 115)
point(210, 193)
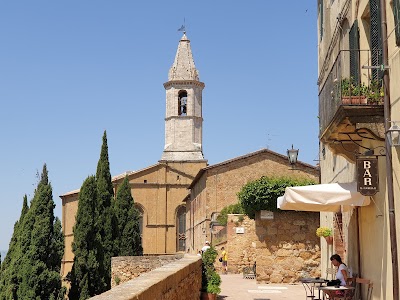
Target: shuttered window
point(376, 37)
point(396, 13)
point(354, 42)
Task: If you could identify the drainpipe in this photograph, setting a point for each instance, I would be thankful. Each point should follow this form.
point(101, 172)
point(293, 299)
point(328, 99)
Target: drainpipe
point(389, 166)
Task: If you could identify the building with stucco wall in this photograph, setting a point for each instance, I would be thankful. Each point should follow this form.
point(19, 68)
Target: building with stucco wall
point(350, 47)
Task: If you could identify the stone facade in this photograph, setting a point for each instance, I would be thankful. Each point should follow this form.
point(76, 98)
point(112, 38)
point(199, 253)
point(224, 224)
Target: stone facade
point(284, 249)
point(216, 186)
point(180, 279)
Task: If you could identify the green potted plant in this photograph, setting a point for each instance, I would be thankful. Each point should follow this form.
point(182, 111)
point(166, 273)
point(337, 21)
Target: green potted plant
point(353, 93)
point(325, 232)
point(211, 280)
point(375, 92)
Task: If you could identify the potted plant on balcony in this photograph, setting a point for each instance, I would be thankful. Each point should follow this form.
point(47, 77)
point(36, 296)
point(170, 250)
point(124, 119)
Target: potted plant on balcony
point(375, 92)
point(211, 280)
point(353, 93)
point(326, 233)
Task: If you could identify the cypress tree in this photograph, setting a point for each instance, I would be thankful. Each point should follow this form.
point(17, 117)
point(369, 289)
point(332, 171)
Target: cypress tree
point(129, 240)
point(86, 275)
point(41, 254)
point(10, 265)
point(106, 219)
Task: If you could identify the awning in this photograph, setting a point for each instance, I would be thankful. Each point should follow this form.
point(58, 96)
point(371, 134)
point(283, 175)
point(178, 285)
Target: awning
point(322, 197)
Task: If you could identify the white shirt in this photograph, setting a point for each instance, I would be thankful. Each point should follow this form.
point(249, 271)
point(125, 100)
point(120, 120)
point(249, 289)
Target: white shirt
point(204, 249)
point(339, 274)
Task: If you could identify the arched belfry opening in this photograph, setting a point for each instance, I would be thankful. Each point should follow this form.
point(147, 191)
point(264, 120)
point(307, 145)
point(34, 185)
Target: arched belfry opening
point(182, 103)
point(181, 228)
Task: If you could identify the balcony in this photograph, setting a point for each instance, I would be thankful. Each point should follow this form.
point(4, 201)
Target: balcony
point(351, 103)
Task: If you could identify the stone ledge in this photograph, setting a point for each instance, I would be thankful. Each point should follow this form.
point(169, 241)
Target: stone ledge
point(180, 279)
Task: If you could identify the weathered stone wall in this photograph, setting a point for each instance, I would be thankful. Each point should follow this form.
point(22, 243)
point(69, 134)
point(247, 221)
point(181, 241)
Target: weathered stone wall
point(125, 268)
point(285, 248)
point(180, 279)
point(216, 187)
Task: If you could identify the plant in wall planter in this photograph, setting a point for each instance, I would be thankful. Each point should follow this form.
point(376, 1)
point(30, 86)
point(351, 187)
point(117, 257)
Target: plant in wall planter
point(211, 280)
point(326, 233)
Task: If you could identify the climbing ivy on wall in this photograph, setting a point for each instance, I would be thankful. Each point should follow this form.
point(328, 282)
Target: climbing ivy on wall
point(262, 194)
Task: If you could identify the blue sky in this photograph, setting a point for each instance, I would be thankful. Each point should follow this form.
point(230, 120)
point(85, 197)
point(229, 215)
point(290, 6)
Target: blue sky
point(71, 69)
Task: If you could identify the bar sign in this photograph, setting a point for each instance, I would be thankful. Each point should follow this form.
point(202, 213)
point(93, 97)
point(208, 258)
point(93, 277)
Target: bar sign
point(367, 176)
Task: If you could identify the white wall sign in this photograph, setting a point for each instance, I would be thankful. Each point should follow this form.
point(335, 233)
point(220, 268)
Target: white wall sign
point(267, 215)
point(239, 229)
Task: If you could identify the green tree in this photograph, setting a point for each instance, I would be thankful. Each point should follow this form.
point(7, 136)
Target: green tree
point(86, 277)
point(230, 209)
point(262, 194)
point(41, 254)
point(106, 220)
point(129, 240)
point(10, 265)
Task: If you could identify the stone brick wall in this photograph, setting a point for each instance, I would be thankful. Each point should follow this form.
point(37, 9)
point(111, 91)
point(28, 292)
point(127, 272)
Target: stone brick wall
point(125, 268)
point(179, 279)
point(285, 248)
point(216, 187)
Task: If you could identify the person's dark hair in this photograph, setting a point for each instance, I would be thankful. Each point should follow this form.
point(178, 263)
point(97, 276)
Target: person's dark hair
point(338, 258)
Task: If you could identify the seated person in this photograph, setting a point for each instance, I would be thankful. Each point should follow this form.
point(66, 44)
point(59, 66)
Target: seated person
point(342, 275)
point(342, 271)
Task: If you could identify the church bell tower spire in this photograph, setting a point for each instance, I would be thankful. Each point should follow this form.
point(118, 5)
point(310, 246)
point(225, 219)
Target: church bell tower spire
point(183, 117)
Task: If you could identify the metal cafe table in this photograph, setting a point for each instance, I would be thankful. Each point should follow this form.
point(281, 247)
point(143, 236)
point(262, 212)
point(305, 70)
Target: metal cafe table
point(348, 292)
point(310, 284)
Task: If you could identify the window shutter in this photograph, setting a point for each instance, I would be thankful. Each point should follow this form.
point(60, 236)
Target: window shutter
point(396, 13)
point(354, 42)
point(376, 37)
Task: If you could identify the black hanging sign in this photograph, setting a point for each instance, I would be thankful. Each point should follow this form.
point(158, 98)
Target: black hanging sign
point(367, 175)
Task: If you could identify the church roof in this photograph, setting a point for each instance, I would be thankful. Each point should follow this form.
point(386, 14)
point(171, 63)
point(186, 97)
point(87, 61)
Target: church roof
point(183, 67)
point(116, 178)
point(251, 154)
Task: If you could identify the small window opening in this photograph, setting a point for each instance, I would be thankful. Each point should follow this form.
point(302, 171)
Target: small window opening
point(182, 103)
point(145, 181)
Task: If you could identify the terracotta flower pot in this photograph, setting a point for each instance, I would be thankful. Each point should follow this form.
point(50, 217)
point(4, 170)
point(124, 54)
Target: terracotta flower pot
point(329, 240)
point(208, 296)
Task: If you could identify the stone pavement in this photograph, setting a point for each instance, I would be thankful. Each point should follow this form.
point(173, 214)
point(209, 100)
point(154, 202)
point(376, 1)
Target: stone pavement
point(235, 287)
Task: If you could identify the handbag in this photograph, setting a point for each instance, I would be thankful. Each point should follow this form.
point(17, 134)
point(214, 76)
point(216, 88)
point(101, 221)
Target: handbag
point(333, 282)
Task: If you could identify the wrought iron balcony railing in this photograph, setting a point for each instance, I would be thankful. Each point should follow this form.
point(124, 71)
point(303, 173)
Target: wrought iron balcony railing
point(352, 82)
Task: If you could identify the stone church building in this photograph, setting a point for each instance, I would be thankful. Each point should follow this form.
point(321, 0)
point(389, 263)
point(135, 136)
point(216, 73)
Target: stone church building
point(161, 191)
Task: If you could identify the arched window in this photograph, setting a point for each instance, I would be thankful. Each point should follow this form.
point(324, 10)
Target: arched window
point(181, 228)
point(182, 103)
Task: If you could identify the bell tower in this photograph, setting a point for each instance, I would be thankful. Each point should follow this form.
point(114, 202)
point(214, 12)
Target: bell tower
point(183, 117)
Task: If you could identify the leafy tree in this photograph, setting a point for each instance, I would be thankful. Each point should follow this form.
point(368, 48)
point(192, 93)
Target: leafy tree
point(262, 194)
point(106, 219)
point(40, 247)
point(129, 240)
point(86, 277)
point(230, 209)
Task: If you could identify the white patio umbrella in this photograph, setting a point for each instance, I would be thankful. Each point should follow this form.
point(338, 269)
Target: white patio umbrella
point(322, 197)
